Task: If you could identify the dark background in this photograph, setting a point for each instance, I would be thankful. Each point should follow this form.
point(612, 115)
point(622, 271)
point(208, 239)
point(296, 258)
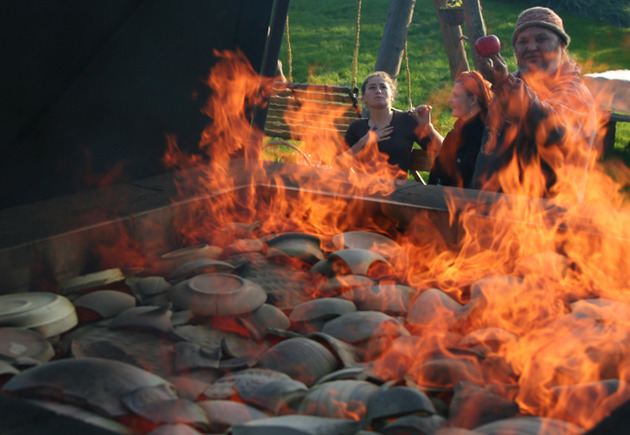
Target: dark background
point(91, 88)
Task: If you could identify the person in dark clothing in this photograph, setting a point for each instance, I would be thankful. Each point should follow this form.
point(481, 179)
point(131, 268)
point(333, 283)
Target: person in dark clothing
point(542, 121)
point(455, 164)
point(393, 131)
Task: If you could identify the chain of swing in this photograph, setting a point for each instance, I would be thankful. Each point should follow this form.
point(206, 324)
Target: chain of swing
point(355, 56)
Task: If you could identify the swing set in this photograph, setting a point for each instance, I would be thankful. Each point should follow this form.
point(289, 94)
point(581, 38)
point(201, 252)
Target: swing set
point(294, 108)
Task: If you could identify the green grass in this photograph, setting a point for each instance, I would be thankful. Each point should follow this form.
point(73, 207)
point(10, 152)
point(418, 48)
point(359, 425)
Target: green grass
point(322, 35)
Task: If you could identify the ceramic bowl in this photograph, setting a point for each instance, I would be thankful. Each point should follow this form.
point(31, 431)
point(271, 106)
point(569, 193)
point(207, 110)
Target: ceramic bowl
point(217, 294)
point(198, 266)
point(20, 343)
point(89, 281)
point(312, 315)
point(47, 313)
point(358, 262)
point(298, 245)
point(187, 253)
point(302, 359)
point(374, 242)
point(99, 383)
point(106, 303)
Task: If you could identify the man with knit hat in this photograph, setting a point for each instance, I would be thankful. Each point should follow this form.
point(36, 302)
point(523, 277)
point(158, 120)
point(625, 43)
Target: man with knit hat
point(541, 125)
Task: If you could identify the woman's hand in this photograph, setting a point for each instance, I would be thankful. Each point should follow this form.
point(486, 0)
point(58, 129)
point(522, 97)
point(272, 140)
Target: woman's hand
point(422, 113)
point(425, 128)
point(378, 134)
point(383, 133)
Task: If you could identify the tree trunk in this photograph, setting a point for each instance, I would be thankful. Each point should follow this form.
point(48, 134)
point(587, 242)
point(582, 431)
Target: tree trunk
point(392, 47)
point(457, 60)
point(475, 25)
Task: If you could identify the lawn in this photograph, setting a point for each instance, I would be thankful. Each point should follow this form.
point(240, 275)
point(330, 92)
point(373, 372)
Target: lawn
point(322, 38)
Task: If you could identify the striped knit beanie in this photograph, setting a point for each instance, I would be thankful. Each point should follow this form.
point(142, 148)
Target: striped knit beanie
point(540, 17)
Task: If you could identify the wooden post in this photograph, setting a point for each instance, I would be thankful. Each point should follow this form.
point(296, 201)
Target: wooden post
point(457, 60)
point(475, 25)
point(270, 55)
point(392, 46)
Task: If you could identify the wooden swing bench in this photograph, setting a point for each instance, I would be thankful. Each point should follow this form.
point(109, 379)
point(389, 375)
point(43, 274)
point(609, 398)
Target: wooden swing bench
point(295, 108)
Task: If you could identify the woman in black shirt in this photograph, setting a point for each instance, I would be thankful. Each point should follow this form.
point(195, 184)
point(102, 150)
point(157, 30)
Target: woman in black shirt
point(394, 131)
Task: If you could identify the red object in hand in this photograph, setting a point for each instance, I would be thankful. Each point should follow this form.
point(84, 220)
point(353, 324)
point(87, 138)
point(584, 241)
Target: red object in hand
point(487, 45)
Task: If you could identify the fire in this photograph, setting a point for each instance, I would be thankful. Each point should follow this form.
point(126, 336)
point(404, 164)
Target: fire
point(236, 90)
point(521, 266)
point(522, 261)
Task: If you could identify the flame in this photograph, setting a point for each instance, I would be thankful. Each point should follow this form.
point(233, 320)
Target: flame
point(519, 265)
point(520, 262)
point(236, 91)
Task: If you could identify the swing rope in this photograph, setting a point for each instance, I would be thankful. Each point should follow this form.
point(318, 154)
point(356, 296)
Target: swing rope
point(355, 56)
point(289, 51)
point(408, 72)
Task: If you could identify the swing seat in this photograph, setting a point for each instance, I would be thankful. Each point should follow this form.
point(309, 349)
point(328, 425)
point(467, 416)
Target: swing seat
point(295, 110)
point(421, 161)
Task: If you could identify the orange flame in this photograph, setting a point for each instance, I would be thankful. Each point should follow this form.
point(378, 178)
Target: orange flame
point(236, 89)
point(520, 262)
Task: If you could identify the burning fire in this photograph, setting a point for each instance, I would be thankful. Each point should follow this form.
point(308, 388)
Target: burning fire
point(537, 282)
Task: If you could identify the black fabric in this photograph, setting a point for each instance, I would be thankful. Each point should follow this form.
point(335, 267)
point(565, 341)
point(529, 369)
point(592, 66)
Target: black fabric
point(455, 164)
point(398, 147)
